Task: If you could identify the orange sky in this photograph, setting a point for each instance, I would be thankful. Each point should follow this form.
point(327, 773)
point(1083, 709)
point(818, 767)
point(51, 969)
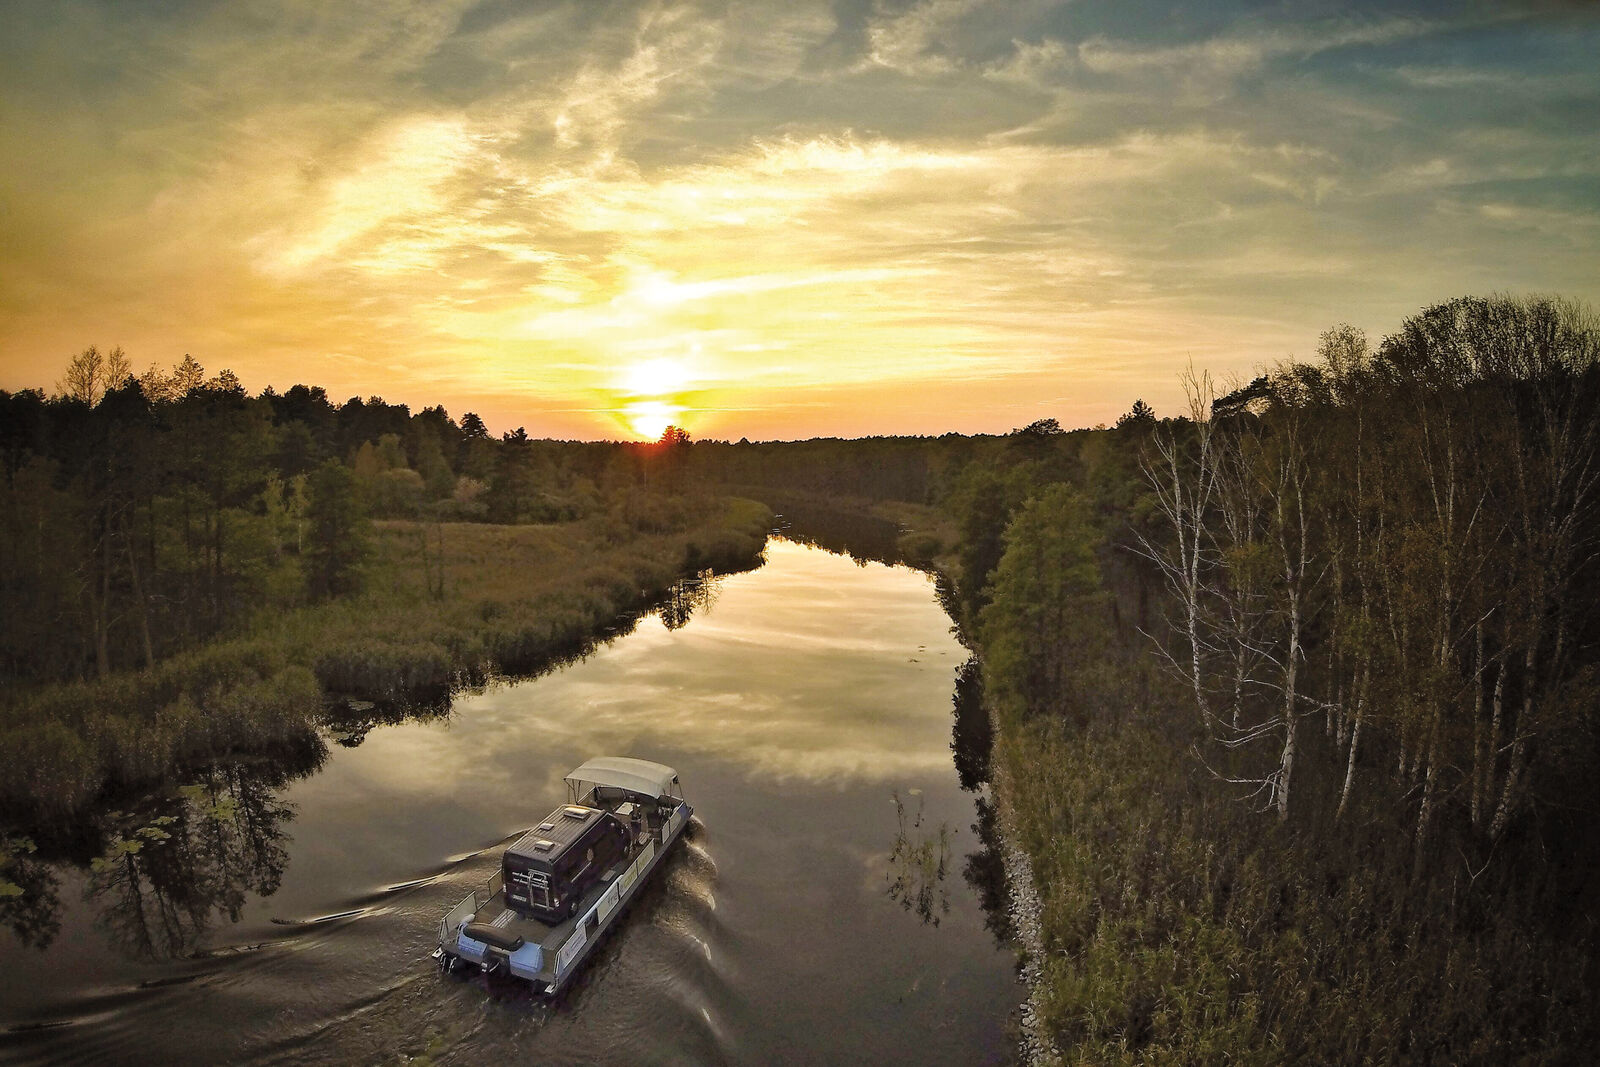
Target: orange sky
point(772, 221)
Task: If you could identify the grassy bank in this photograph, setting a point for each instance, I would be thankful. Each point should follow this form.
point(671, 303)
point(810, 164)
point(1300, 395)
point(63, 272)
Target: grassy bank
point(891, 531)
point(1174, 932)
point(441, 603)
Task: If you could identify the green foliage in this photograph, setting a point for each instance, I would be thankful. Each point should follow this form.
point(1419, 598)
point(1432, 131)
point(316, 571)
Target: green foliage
point(920, 548)
point(1431, 899)
point(1179, 929)
point(983, 519)
point(1046, 624)
point(336, 537)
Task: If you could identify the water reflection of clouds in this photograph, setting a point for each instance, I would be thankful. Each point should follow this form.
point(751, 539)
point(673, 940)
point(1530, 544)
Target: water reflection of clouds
point(811, 678)
point(810, 670)
point(813, 668)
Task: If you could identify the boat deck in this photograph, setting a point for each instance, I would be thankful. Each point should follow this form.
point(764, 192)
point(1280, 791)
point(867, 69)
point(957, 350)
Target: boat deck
point(497, 914)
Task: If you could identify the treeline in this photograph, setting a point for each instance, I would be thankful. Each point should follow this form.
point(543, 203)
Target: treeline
point(915, 469)
point(148, 514)
point(1298, 702)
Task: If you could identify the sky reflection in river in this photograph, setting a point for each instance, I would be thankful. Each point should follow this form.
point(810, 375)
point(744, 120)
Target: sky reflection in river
point(797, 682)
point(813, 669)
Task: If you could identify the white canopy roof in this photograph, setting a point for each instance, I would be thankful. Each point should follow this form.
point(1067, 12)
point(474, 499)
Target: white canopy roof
point(624, 772)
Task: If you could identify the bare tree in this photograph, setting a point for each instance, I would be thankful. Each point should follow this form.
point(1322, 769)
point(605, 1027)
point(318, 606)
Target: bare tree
point(1183, 473)
point(91, 374)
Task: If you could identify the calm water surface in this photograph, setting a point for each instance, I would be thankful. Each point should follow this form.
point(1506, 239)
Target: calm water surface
point(818, 913)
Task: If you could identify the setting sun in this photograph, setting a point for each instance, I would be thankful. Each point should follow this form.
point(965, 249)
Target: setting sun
point(650, 395)
point(648, 418)
point(655, 377)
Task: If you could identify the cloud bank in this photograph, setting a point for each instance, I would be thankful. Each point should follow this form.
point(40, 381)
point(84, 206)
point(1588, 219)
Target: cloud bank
point(826, 218)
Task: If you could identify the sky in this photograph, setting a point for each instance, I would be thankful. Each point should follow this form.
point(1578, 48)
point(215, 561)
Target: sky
point(776, 219)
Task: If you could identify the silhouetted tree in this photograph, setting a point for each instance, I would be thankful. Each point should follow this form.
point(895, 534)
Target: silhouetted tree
point(1141, 414)
point(91, 374)
point(1039, 428)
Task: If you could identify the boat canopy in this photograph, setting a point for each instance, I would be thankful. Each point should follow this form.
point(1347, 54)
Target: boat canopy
point(624, 772)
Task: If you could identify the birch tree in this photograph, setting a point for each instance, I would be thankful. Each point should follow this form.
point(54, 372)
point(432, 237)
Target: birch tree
point(1182, 471)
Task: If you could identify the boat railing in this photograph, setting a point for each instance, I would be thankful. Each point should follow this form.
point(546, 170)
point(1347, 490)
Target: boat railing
point(469, 906)
point(456, 916)
point(670, 827)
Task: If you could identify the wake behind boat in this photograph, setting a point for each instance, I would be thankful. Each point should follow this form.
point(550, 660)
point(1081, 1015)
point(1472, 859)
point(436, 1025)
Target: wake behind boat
point(563, 883)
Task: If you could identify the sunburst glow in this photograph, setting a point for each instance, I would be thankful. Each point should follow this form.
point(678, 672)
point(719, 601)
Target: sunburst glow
point(655, 377)
point(648, 418)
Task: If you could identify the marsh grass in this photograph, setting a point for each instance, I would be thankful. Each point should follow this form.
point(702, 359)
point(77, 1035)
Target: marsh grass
point(1178, 930)
point(513, 598)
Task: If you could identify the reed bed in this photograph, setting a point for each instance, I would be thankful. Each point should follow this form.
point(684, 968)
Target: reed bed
point(442, 604)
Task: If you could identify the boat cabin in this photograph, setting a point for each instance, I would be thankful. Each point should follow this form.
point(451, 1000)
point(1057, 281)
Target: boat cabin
point(548, 869)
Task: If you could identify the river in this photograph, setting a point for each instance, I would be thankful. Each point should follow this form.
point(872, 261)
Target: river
point(830, 905)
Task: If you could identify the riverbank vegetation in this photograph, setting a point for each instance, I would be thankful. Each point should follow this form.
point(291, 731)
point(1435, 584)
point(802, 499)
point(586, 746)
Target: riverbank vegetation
point(190, 572)
point(1297, 703)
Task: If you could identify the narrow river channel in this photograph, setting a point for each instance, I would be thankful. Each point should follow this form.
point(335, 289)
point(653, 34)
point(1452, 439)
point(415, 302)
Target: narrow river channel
point(827, 907)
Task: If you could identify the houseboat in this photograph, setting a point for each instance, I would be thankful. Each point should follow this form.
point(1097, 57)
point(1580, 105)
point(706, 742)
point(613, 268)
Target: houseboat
point(562, 884)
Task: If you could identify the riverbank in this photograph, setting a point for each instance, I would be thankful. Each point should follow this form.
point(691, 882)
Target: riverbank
point(1168, 918)
point(888, 531)
point(442, 602)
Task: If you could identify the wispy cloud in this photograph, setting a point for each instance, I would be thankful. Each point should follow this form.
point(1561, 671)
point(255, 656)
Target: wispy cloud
point(973, 208)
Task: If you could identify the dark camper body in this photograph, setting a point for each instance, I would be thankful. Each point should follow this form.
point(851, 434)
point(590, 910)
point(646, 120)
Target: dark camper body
point(564, 882)
point(548, 869)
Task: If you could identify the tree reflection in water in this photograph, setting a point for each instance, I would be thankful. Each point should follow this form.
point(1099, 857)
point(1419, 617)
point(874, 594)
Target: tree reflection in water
point(171, 866)
point(918, 863)
point(985, 872)
point(972, 736)
point(348, 723)
point(29, 893)
point(972, 741)
point(688, 595)
point(170, 870)
point(863, 538)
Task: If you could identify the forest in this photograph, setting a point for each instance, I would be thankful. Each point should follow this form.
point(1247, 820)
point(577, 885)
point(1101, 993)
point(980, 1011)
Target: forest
point(1297, 702)
point(1294, 693)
